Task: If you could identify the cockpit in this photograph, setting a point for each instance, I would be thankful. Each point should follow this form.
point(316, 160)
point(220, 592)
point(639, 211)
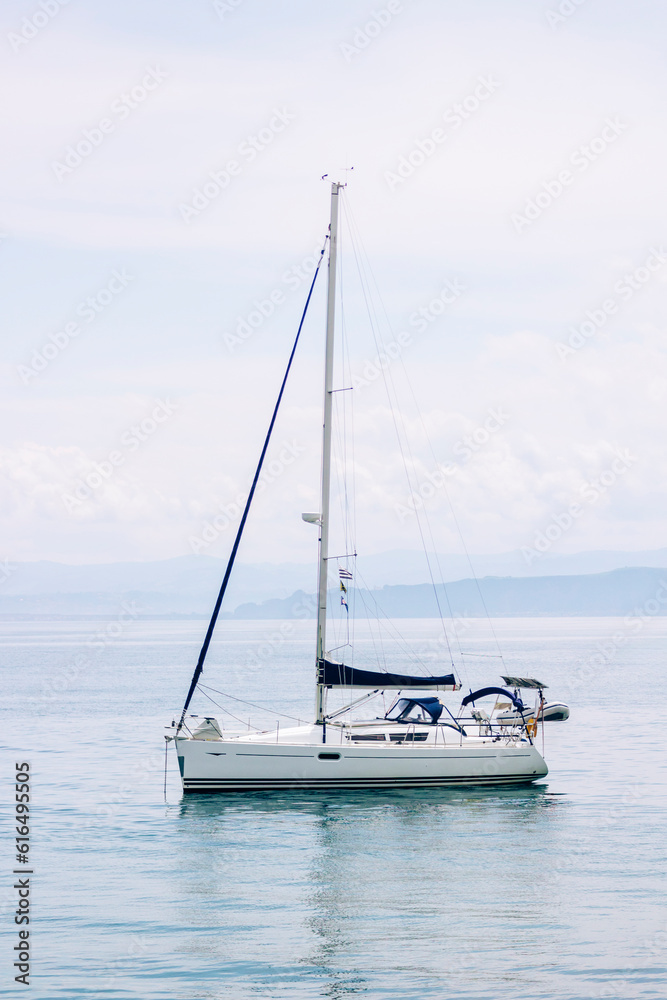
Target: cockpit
point(425, 711)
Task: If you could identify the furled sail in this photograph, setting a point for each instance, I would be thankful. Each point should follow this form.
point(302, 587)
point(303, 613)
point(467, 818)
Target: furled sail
point(340, 675)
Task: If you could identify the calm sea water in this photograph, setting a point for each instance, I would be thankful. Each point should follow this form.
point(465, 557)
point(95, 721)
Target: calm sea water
point(553, 891)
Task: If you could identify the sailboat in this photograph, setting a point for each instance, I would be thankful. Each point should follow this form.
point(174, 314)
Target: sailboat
point(418, 742)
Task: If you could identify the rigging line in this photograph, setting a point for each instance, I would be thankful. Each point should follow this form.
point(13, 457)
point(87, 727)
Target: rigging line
point(353, 504)
point(430, 445)
point(333, 649)
point(251, 704)
point(226, 710)
point(448, 498)
point(338, 435)
point(461, 537)
point(345, 407)
point(427, 519)
point(457, 525)
point(381, 613)
point(216, 610)
point(495, 656)
point(379, 656)
point(363, 265)
point(391, 627)
point(373, 620)
point(346, 431)
point(474, 575)
point(351, 526)
point(340, 478)
point(381, 618)
point(344, 506)
point(343, 422)
point(386, 378)
point(344, 497)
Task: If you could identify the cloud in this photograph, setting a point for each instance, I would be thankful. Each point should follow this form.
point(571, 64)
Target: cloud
point(450, 220)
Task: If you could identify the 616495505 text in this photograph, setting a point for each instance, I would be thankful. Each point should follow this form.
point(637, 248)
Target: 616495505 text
point(22, 884)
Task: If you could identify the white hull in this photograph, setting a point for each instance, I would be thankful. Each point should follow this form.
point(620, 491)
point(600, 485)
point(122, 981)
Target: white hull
point(248, 764)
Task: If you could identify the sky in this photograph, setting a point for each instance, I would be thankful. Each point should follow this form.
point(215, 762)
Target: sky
point(161, 202)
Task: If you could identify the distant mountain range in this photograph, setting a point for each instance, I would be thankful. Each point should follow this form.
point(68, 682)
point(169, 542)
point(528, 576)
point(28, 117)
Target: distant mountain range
point(620, 592)
point(589, 583)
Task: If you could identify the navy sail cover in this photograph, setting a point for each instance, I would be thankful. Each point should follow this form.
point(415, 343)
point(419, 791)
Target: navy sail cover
point(340, 675)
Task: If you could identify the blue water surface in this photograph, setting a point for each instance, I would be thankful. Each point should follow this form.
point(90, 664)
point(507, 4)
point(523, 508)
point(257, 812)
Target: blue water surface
point(550, 891)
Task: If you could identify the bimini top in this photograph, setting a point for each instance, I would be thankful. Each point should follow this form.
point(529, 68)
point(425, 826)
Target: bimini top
point(483, 692)
point(339, 675)
point(524, 682)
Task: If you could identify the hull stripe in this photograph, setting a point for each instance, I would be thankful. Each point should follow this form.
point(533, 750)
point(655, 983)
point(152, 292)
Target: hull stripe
point(263, 784)
point(365, 756)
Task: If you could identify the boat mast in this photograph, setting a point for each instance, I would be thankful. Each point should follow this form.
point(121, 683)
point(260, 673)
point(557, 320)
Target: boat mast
point(326, 457)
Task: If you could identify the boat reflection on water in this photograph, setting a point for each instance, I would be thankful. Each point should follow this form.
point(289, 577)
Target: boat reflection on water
point(532, 797)
point(362, 883)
